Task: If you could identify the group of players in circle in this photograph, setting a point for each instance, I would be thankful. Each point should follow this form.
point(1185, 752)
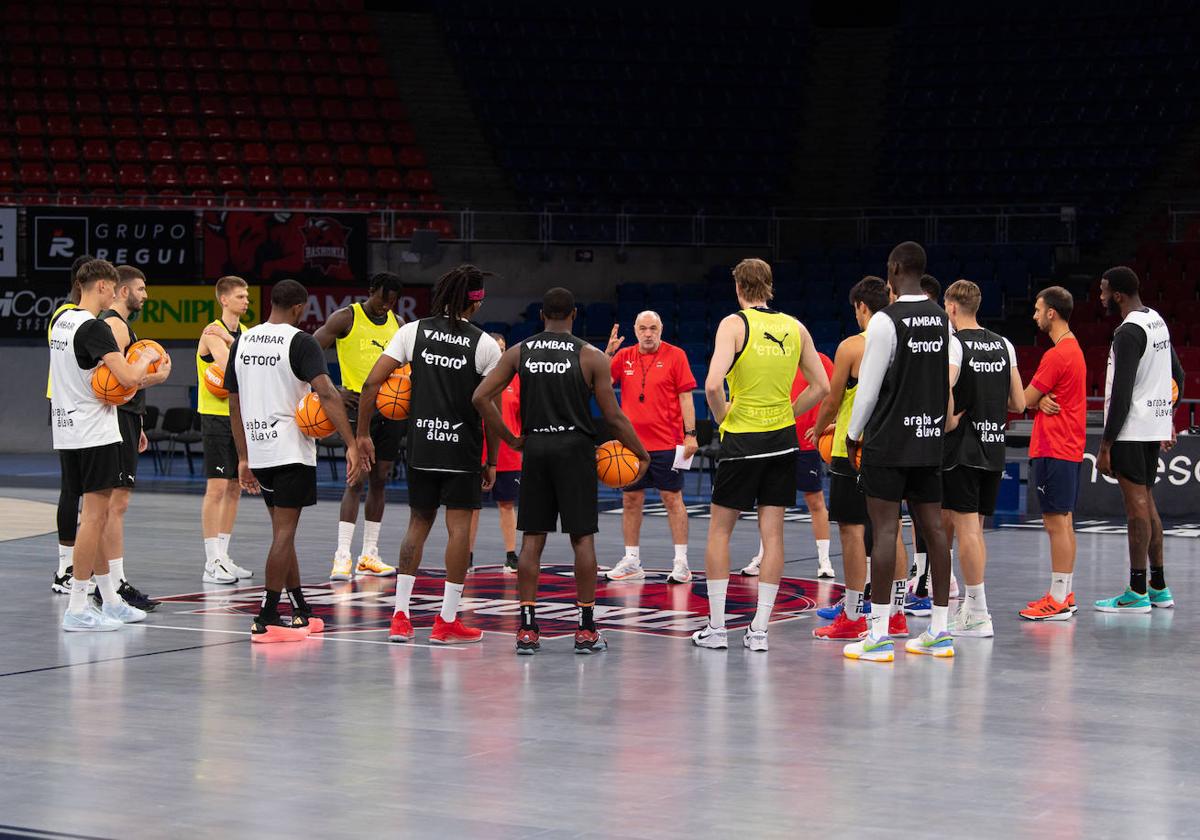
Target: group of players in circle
point(912, 410)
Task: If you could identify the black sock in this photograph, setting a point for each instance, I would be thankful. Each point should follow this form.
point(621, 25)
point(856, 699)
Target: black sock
point(867, 592)
point(922, 588)
point(587, 619)
point(528, 621)
point(299, 605)
point(471, 558)
point(512, 557)
point(1137, 581)
point(1156, 577)
point(269, 611)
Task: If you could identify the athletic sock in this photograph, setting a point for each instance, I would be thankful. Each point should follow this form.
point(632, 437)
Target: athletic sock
point(939, 620)
point(512, 557)
point(1137, 581)
point(921, 561)
point(299, 605)
point(404, 588)
point(976, 600)
point(822, 551)
point(212, 550)
point(854, 605)
point(224, 540)
point(116, 568)
point(1060, 587)
point(766, 603)
point(108, 591)
point(78, 602)
point(269, 611)
point(587, 616)
point(450, 598)
point(345, 536)
point(899, 588)
point(681, 553)
point(634, 553)
point(528, 617)
point(877, 622)
point(66, 556)
point(1156, 577)
point(1070, 583)
point(716, 602)
point(371, 537)
point(921, 590)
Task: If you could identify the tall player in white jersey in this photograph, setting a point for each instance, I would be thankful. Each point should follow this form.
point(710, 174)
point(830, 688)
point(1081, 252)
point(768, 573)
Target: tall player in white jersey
point(1137, 424)
point(88, 439)
point(271, 368)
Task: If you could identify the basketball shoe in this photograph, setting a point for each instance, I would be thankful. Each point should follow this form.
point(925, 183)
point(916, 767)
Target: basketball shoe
point(1160, 598)
point(871, 650)
point(627, 569)
point(341, 567)
point(401, 629)
point(1047, 609)
point(927, 644)
point(589, 641)
point(755, 639)
point(528, 641)
point(1127, 602)
point(711, 637)
point(371, 566)
point(841, 629)
point(453, 632)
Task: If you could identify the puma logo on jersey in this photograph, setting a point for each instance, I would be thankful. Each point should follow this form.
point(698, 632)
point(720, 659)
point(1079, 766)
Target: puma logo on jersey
point(923, 321)
point(448, 338)
point(377, 344)
point(778, 341)
point(221, 470)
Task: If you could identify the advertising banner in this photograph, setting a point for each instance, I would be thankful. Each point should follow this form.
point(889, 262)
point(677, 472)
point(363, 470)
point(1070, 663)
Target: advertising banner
point(25, 311)
point(184, 311)
point(8, 242)
point(323, 301)
point(266, 247)
point(159, 242)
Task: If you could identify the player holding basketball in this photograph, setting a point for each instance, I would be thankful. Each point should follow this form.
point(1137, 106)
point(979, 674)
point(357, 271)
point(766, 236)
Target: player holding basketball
point(361, 331)
point(221, 492)
point(270, 369)
point(559, 374)
point(1137, 423)
point(757, 352)
point(449, 356)
point(130, 295)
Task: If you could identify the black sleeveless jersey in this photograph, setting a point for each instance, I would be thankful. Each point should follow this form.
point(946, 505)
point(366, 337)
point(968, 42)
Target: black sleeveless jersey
point(905, 429)
point(555, 398)
point(981, 392)
point(444, 430)
point(137, 405)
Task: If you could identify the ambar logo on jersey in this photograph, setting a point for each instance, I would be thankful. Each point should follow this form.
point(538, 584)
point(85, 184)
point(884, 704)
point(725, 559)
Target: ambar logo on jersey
point(183, 311)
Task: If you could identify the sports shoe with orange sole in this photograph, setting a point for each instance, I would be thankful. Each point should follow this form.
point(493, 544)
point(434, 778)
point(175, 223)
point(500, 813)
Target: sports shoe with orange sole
point(401, 629)
point(841, 629)
point(371, 566)
point(453, 632)
point(309, 622)
point(267, 632)
point(898, 625)
point(1047, 609)
point(1070, 601)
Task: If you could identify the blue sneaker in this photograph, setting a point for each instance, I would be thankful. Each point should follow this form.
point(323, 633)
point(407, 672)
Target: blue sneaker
point(871, 650)
point(832, 612)
point(915, 605)
point(1127, 602)
point(1160, 598)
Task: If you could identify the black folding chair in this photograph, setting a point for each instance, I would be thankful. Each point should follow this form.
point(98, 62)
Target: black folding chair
point(182, 426)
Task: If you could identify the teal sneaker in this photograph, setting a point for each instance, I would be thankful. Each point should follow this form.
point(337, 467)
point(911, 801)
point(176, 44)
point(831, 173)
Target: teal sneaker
point(927, 644)
point(1127, 602)
point(1161, 598)
point(872, 650)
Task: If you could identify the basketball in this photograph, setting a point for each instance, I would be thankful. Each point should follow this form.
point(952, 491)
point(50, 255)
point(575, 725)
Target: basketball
point(214, 381)
point(107, 389)
point(394, 396)
point(1174, 392)
point(616, 466)
point(135, 351)
point(825, 447)
point(311, 417)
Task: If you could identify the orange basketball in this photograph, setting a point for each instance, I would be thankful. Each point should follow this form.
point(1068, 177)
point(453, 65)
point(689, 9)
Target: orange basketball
point(825, 447)
point(107, 389)
point(311, 417)
point(394, 396)
point(214, 381)
point(858, 458)
point(616, 466)
point(135, 351)
point(1174, 392)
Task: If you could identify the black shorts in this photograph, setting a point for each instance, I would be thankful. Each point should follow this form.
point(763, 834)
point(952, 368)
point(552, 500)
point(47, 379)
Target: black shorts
point(90, 470)
point(1136, 461)
point(918, 485)
point(288, 485)
point(808, 471)
point(431, 489)
point(847, 502)
point(746, 483)
point(661, 475)
point(969, 490)
point(558, 485)
point(385, 434)
point(220, 455)
point(1056, 482)
point(507, 487)
point(131, 433)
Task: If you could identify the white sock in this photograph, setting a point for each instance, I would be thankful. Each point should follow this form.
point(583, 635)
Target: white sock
point(854, 604)
point(66, 556)
point(1060, 587)
point(939, 620)
point(404, 588)
point(450, 597)
point(78, 602)
point(633, 552)
point(976, 600)
point(225, 538)
point(877, 621)
point(766, 603)
point(345, 536)
point(922, 561)
point(899, 588)
point(1070, 583)
point(370, 537)
point(758, 556)
point(681, 554)
point(108, 590)
point(716, 602)
point(116, 568)
point(822, 551)
point(212, 550)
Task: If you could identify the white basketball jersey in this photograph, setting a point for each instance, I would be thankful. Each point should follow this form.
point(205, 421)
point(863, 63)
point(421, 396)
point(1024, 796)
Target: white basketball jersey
point(268, 393)
point(80, 420)
point(1150, 414)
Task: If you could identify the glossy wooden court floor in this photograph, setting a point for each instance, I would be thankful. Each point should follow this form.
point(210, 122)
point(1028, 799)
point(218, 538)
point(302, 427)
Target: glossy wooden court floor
point(180, 727)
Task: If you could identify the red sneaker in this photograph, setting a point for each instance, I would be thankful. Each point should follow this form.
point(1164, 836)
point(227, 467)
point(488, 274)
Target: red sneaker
point(453, 632)
point(1070, 602)
point(401, 629)
point(898, 625)
point(589, 641)
point(1047, 609)
point(842, 628)
point(528, 641)
point(308, 622)
point(269, 632)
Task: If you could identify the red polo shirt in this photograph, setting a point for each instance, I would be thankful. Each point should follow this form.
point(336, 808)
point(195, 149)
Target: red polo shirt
point(661, 376)
point(1062, 372)
point(510, 409)
point(809, 418)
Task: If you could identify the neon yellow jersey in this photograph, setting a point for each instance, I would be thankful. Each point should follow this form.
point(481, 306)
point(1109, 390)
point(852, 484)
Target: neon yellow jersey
point(360, 349)
point(63, 308)
point(760, 387)
point(207, 401)
point(843, 419)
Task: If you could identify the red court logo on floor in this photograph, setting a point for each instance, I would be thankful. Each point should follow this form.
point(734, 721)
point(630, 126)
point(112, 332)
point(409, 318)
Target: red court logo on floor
point(490, 602)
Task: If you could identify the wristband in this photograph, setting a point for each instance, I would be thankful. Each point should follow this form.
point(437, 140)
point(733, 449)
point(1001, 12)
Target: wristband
point(689, 432)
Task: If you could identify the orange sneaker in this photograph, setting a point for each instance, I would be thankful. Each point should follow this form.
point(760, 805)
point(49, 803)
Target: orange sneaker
point(842, 628)
point(401, 629)
point(309, 622)
point(1070, 601)
point(897, 625)
point(453, 632)
point(264, 632)
point(1047, 609)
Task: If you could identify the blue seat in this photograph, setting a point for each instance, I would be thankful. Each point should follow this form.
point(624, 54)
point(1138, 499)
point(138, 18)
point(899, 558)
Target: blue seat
point(600, 313)
point(693, 332)
point(631, 292)
point(696, 352)
point(521, 331)
point(662, 292)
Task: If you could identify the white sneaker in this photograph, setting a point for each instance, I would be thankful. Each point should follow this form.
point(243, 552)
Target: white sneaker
point(966, 623)
point(216, 572)
point(824, 569)
point(755, 639)
point(342, 566)
point(236, 570)
point(711, 637)
point(751, 569)
point(120, 611)
point(627, 569)
point(681, 573)
point(89, 619)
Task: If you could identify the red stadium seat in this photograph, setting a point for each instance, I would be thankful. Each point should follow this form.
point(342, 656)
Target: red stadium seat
point(225, 39)
point(131, 176)
point(357, 179)
point(29, 125)
point(390, 179)
point(229, 176)
point(419, 180)
point(152, 104)
point(262, 177)
point(66, 175)
point(187, 129)
point(401, 135)
point(369, 133)
point(267, 85)
point(222, 152)
point(302, 108)
point(60, 125)
point(247, 131)
point(235, 83)
point(309, 131)
point(179, 105)
point(341, 132)
point(31, 148)
point(325, 178)
point(443, 228)
point(350, 155)
point(192, 152)
point(381, 156)
point(363, 109)
point(145, 81)
point(33, 175)
point(317, 154)
point(155, 127)
point(232, 61)
point(25, 100)
point(333, 109)
point(295, 178)
point(296, 86)
point(99, 175)
point(55, 102)
point(96, 150)
point(114, 81)
point(280, 131)
point(411, 157)
point(94, 127)
point(217, 129)
point(349, 65)
point(176, 82)
point(88, 103)
point(165, 175)
point(143, 59)
point(119, 103)
point(213, 106)
point(248, 19)
point(242, 107)
point(206, 82)
point(286, 154)
point(327, 86)
point(159, 150)
point(8, 175)
point(255, 153)
point(63, 148)
point(273, 107)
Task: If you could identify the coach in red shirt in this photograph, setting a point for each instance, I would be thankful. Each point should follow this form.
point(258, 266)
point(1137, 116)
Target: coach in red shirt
point(507, 488)
point(656, 385)
point(1059, 390)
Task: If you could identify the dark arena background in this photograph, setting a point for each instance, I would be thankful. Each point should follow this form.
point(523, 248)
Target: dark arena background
point(633, 153)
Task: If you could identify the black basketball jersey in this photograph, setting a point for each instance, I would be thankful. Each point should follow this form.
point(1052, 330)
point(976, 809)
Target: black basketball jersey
point(137, 405)
point(981, 392)
point(905, 429)
point(555, 398)
point(444, 430)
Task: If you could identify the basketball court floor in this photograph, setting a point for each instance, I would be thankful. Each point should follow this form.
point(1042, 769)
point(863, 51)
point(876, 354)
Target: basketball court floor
point(181, 727)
